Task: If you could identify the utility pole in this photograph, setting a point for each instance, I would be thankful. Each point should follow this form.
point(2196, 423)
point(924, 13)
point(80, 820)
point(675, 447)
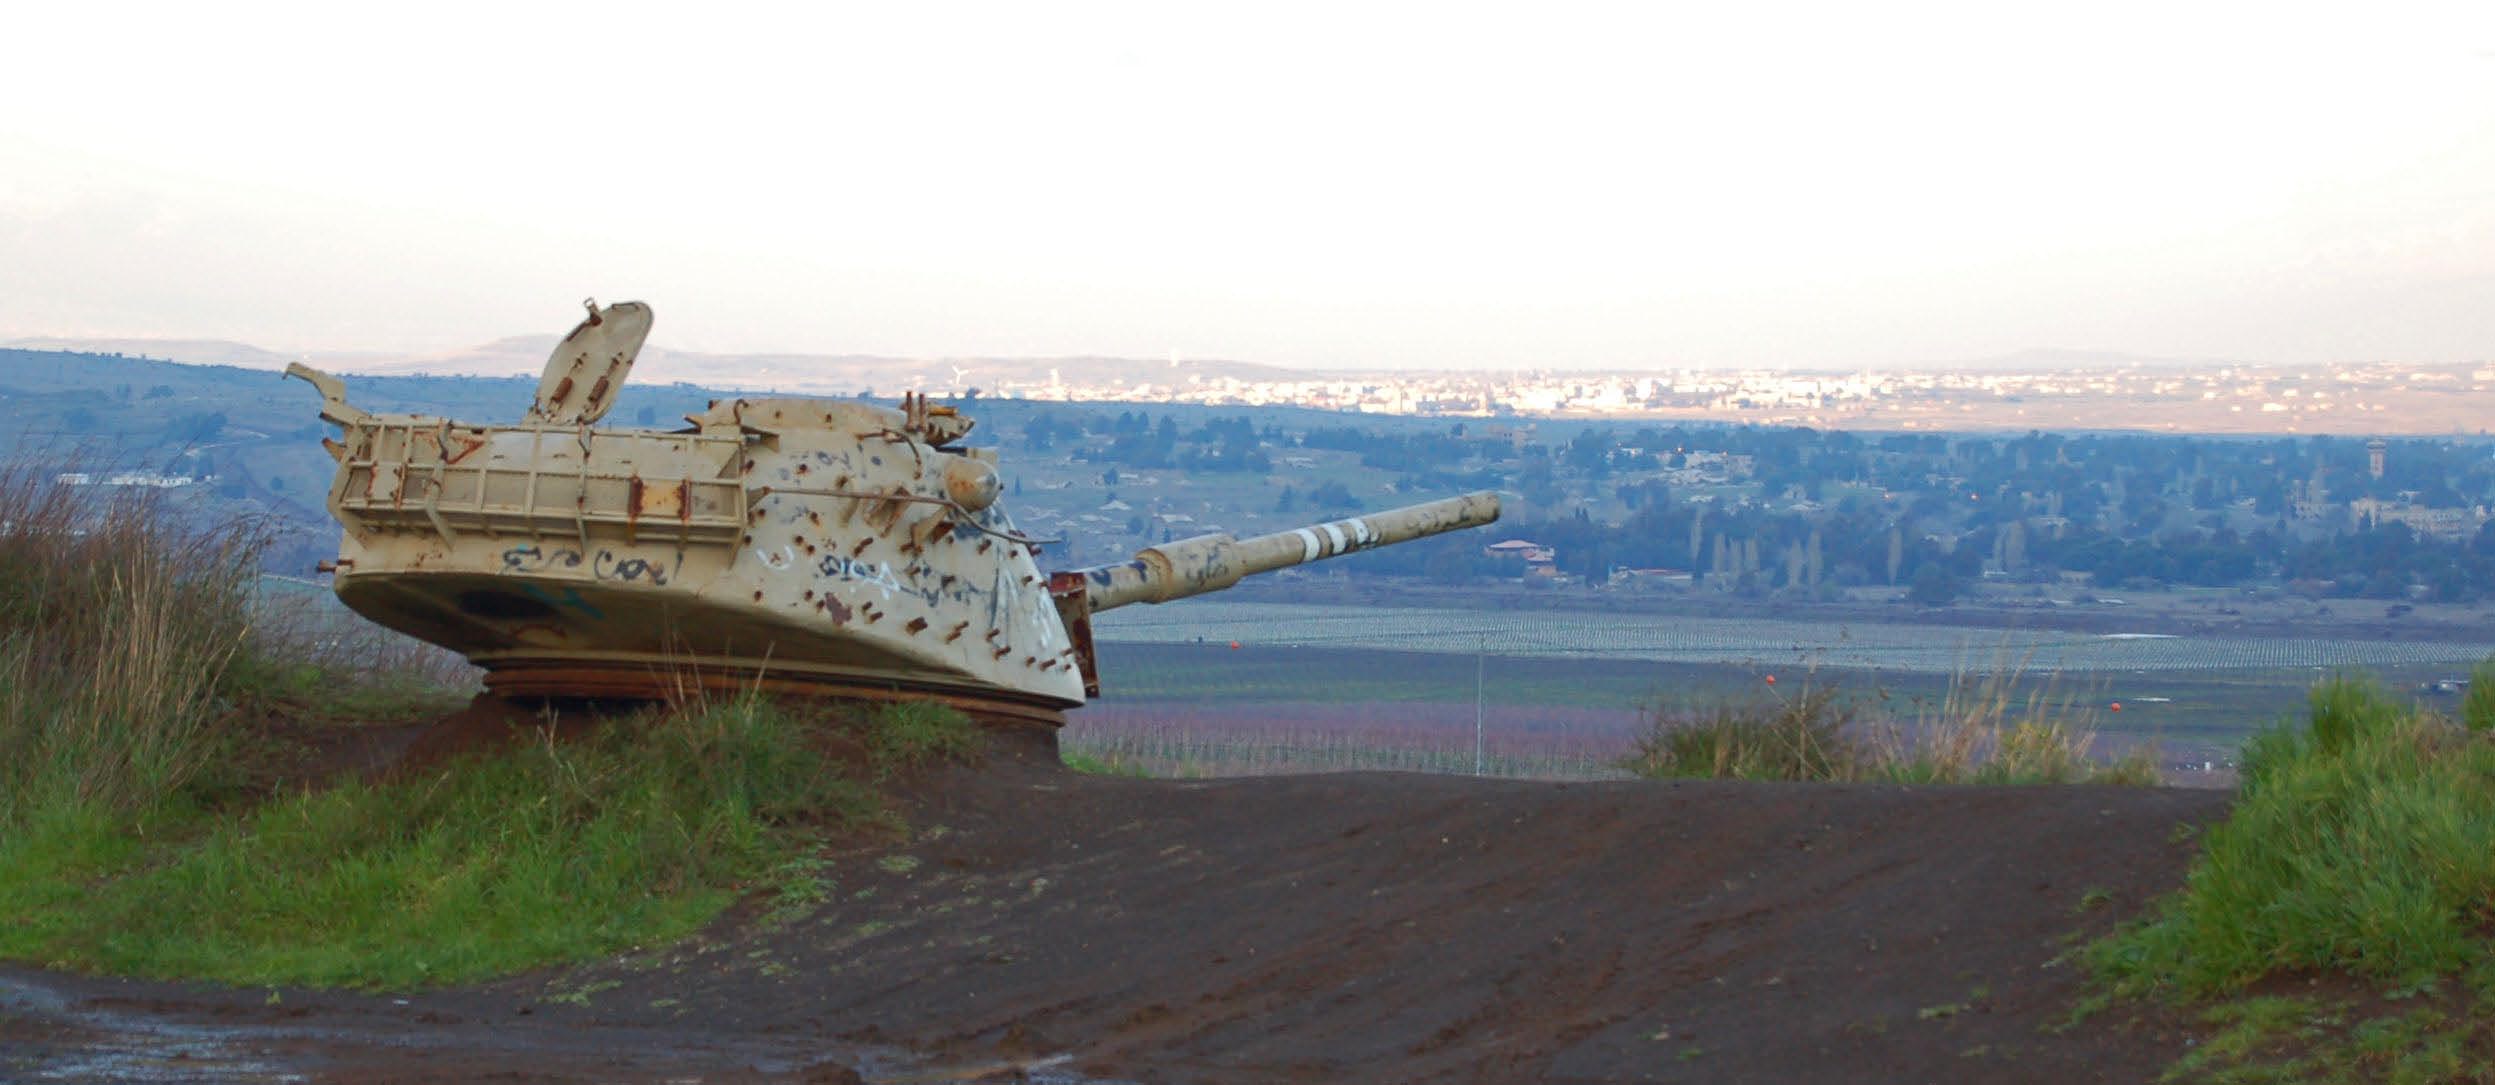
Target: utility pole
point(1481, 655)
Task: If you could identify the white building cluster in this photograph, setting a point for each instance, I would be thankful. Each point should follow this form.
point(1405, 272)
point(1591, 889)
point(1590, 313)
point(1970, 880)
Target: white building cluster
point(2274, 398)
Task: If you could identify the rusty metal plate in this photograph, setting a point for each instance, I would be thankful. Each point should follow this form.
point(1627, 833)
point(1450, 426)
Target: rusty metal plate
point(588, 368)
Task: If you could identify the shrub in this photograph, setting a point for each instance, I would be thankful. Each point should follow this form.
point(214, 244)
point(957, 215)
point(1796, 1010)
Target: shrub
point(1802, 737)
point(2364, 844)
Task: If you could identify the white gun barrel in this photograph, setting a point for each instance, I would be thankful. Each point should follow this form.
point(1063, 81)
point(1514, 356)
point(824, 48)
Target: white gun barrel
point(1209, 563)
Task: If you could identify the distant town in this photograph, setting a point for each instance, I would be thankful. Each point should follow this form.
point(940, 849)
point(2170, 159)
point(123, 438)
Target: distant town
point(2052, 390)
point(2352, 398)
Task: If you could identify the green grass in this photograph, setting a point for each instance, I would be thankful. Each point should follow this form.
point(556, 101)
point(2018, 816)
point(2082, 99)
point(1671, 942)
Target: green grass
point(156, 819)
point(2477, 706)
point(2278, 1040)
point(2361, 846)
point(1108, 764)
point(2364, 844)
point(635, 835)
point(907, 735)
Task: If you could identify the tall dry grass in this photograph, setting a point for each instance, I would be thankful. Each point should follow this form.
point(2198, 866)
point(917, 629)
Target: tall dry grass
point(137, 648)
point(319, 659)
point(1991, 726)
point(1994, 726)
point(118, 631)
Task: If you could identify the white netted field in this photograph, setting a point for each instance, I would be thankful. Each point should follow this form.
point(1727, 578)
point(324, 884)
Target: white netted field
point(1912, 648)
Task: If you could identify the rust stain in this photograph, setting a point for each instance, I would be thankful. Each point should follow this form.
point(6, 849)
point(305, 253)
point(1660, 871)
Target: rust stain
point(661, 501)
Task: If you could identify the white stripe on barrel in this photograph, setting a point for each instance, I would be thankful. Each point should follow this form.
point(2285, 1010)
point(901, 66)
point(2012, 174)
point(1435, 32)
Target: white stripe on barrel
point(1308, 548)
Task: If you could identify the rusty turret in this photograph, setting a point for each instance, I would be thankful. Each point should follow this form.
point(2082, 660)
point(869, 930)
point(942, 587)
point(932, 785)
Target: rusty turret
point(815, 545)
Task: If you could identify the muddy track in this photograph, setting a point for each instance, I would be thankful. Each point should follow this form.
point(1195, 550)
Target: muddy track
point(1370, 927)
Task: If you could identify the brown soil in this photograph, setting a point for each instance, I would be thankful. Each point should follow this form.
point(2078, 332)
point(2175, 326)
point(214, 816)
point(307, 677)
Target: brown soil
point(1042, 925)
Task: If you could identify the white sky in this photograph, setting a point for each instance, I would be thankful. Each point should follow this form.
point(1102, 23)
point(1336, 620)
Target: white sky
point(1329, 184)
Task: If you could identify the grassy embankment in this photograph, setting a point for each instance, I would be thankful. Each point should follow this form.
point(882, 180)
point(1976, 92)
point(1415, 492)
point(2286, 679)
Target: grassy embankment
point(157, 817)
point(2340, 925)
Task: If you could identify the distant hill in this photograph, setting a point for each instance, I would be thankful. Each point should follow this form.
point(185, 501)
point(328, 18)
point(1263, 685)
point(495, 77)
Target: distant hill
point(2053, 360)
point(836, 374)
point(849, 374)
point(839, 374)
point(194, 351)
point(211, 352)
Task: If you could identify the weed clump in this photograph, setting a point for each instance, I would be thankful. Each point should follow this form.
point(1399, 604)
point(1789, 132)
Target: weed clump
point(1979, 733)
point(1803, 737)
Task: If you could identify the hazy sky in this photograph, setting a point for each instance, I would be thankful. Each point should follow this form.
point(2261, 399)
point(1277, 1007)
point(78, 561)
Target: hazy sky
point(1329, 184)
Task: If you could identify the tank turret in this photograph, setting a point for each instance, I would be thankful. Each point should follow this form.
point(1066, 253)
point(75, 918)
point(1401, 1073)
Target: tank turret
point(813, 545)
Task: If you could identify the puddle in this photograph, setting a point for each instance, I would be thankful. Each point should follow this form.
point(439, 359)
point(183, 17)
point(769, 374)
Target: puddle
point(42, 1038)
point(45, 1037)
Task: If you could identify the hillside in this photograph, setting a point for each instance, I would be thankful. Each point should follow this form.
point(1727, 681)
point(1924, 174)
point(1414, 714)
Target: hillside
point(1313, 929)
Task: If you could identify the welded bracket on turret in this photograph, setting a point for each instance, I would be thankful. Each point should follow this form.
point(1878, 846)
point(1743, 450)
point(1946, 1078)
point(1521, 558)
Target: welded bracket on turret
point(1071, 591)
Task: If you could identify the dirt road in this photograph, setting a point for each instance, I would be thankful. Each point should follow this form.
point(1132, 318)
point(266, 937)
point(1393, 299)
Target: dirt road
point(1042, 925)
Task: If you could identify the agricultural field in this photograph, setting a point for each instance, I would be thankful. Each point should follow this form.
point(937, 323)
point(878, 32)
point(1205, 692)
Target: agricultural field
point(1561, 695)
point(1765, 642)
